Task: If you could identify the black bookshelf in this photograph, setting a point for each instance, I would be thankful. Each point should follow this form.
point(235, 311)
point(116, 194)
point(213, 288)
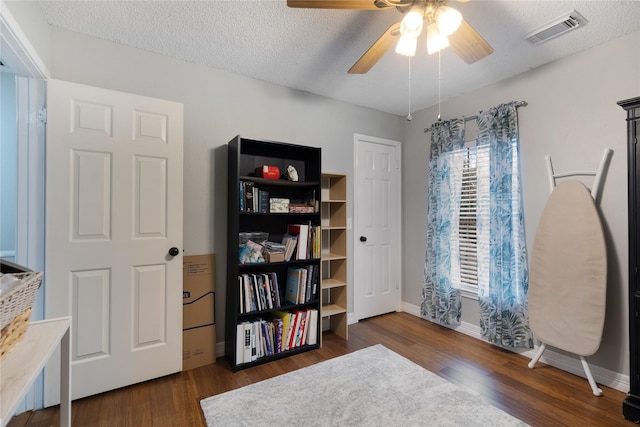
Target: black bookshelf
point(631, 405)
point(244, 156)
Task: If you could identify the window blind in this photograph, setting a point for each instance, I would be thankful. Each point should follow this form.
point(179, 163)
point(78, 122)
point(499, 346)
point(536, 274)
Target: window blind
point(469, 162)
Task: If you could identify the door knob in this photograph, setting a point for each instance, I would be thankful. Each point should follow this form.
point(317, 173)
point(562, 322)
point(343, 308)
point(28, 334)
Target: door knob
point(174, 251)
point(363, 239)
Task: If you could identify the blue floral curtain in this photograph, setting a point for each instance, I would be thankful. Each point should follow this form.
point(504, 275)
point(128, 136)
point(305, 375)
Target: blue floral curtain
point(503, 278)
point(441, 302)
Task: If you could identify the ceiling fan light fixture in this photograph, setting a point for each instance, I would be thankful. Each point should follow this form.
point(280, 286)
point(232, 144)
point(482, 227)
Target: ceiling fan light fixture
point(407, 46)
point(411, 25)
point(448, 19)
point(436, 41)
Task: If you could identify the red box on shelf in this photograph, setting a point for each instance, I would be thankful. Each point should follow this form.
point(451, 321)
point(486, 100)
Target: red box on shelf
point(269, 172)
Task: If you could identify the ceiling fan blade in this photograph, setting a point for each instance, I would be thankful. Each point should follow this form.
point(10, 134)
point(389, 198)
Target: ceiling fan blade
point(335, 4)
point(468, 44)
point(376, 51)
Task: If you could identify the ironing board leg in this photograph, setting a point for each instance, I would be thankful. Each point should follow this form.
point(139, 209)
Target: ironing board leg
point(537, 356)
point(592, 382)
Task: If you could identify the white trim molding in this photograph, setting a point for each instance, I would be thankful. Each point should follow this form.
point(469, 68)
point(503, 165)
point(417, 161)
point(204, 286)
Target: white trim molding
point(17, 50)
point(614, 380)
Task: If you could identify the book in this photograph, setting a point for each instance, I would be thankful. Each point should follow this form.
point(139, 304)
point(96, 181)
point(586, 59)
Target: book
point(295, 321)
point(308, 284)
point(266, 338)
point(259, 284)
point(246, 342)
point(240, 295)
point(292, 289)
point(278, 326)
point(305, 330)
point(312, 333)
point(253, 341)
point(302, 321)
point(302, 231)
point(240, 343)
point(302, 286)
point(248, 294)
point(271, 334)
point(286, 328)
point(267, 290)
point(263, 201)
point(290, 242)
point(248, 196)
point(275, 289)
point(314, 282)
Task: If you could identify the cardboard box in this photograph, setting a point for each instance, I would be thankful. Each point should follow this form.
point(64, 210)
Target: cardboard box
point(274, 256)
point(198, 311)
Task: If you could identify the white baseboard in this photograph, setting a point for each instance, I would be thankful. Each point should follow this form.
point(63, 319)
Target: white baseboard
point(566, 363)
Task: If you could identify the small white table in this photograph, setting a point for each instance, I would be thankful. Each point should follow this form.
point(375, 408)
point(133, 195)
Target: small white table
point(20, 368)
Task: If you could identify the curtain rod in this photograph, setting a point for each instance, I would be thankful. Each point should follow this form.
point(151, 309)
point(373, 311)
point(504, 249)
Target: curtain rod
point(475, 116)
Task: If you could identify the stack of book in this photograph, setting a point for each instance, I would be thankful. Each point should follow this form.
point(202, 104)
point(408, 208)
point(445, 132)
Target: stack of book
point(260, 337)
point(258, 292)
point(308, 240)
point(253, 199)
point(302, 284)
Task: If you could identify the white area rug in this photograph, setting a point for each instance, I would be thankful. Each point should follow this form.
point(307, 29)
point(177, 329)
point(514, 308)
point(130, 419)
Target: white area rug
point(370, 387)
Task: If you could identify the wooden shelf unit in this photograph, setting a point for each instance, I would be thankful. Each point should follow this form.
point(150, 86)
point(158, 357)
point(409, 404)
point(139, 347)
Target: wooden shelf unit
point(244, 156)
point(334, 254)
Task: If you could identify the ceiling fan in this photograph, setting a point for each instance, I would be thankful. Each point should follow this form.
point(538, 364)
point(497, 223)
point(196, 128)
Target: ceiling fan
point(444, 25)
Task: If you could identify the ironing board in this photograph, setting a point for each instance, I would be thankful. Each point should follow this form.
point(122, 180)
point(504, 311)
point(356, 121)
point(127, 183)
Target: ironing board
point(568, 272)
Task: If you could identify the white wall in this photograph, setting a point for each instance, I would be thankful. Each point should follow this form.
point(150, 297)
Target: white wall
point(572, 116)
point(218, 106)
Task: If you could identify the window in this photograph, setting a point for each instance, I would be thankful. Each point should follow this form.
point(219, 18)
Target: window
point(467, 224)
point(470, 163)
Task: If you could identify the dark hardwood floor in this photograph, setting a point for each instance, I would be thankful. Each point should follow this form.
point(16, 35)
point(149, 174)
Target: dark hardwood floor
point(543, 396)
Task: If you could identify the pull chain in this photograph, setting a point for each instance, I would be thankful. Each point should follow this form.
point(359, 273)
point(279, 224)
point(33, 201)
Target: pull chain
point(439, 78)
point(409, 117)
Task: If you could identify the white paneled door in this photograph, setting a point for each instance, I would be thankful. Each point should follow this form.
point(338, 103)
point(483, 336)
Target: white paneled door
point(377, 226)
point(113, 214)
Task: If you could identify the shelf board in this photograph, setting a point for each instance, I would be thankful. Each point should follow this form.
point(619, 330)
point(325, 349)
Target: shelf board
point(278, 182)
point(332, 283)
point(334, 201)
point(333, 227)
point(327, 256)
point(332, 310)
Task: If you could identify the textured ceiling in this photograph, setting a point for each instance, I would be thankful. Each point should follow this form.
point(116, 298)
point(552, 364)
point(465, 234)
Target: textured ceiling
point(312, 49)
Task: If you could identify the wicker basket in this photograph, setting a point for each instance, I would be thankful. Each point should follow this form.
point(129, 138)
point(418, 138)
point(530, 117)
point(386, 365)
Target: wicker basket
point(15, 310)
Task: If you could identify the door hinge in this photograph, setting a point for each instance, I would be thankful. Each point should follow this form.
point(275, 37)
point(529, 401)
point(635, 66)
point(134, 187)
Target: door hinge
point(42, 115)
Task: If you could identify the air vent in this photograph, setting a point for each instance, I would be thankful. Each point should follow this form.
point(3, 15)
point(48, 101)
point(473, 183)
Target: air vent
point(568, 22)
